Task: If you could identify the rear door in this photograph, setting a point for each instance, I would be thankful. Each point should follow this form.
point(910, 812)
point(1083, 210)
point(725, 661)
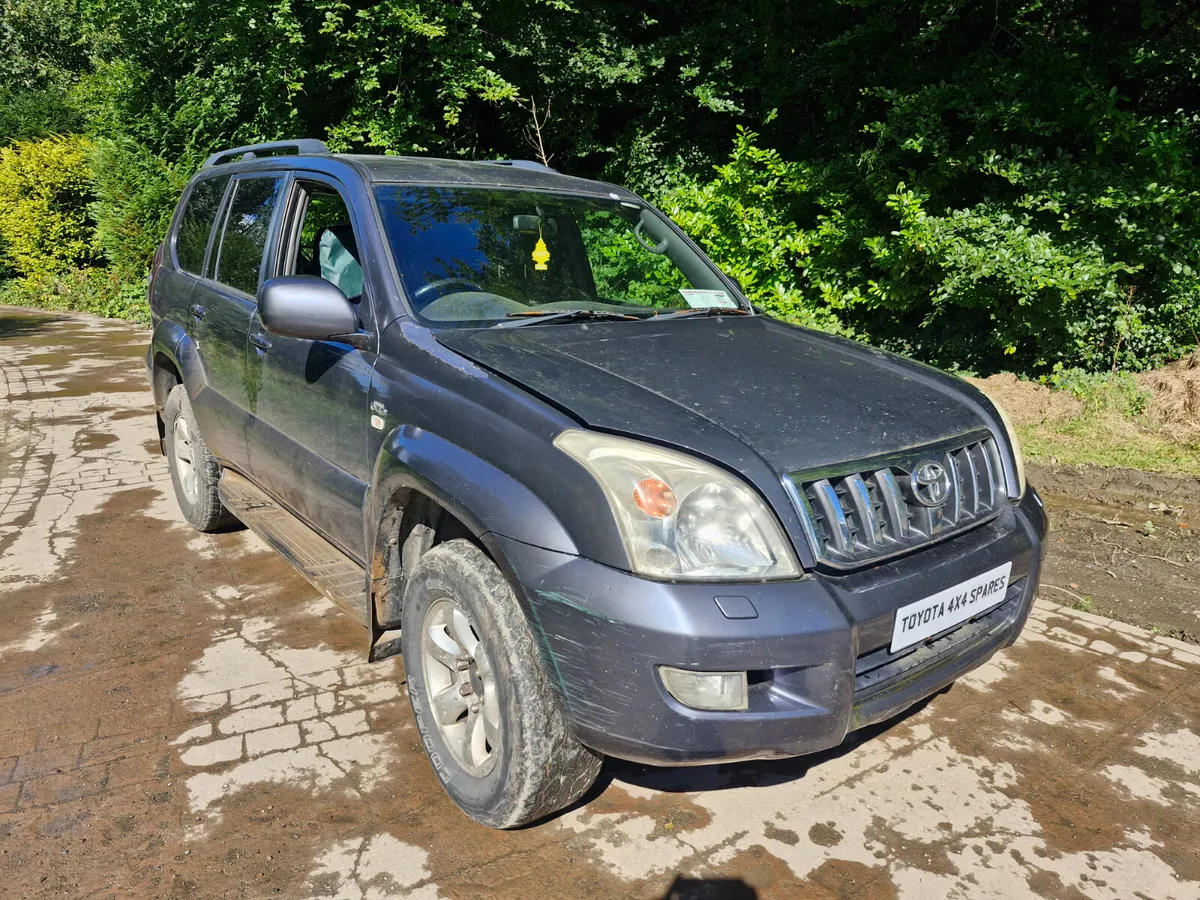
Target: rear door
point(308, 398)
point(187, 253)
point(221, 306)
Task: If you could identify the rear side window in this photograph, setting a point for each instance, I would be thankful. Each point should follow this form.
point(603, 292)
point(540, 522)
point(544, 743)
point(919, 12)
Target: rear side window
point(246, 230)
point(197, 223)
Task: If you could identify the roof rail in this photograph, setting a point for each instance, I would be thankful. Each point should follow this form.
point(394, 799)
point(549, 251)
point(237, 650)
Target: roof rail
point(520, 164)
point(308, 146)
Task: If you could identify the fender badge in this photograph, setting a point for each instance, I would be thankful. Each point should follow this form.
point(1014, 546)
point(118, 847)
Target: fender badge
point(378, 408)
point(377, 423)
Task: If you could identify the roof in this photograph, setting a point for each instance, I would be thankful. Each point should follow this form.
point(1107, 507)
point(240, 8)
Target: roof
point(379, 168)
point(429, 170)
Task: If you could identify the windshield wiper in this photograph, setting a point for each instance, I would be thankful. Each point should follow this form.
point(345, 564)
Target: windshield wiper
point(705, 311)
point(534, 317)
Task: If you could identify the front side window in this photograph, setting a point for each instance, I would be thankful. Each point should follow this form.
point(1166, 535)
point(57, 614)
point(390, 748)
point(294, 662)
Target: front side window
point(325, 246)
point(246, 228)
point(475, 256)
point(196, 225)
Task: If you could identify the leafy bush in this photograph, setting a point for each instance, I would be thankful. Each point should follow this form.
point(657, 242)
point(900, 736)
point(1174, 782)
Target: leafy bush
point(981, 288)
point(1100, 392)
point(45, 187)
point(1010, 185)
point(746, 219)
point(30, 114)
point(136, 192)
point(985, 186)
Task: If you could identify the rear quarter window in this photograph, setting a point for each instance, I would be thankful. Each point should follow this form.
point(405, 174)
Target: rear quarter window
point(196, 226)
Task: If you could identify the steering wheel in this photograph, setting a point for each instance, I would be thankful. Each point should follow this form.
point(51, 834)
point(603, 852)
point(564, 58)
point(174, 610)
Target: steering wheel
point(442, 283)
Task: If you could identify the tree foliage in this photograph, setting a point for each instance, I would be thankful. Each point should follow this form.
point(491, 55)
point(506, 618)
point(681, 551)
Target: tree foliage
point(1004, 185)
point(135, 195)
point(44, 190)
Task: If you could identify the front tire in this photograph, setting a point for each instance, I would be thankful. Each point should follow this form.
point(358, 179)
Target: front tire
point(488, 717)
point(194, 471)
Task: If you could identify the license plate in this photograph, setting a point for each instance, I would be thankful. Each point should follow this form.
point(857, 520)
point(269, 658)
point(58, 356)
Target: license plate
point(945, 609)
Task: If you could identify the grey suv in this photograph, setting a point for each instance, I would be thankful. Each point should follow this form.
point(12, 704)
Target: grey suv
point(519, 426)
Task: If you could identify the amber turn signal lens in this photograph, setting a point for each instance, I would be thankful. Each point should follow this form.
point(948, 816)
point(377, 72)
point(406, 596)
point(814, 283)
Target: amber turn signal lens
point(655, 498)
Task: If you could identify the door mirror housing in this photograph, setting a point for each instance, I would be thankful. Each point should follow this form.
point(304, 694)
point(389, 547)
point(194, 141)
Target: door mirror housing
point(305, 306)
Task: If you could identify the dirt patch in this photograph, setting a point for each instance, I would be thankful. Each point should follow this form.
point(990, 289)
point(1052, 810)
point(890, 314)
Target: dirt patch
point(1124, 544)
point(825, 834)
point(783, 835)
point(1126, 489)
point(847, 880)
point(1173, 398)
point(672, 813)
point(1028, 402)
point(756, 872)
point(93, 441)
point(1066, 720)
point(1174, 394)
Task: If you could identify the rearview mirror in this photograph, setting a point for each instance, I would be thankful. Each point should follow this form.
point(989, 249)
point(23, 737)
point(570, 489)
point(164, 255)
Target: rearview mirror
point(535, 225)
point(305, 306)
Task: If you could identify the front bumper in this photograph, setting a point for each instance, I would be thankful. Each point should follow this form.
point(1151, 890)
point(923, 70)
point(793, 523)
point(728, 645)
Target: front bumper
point(816, 651)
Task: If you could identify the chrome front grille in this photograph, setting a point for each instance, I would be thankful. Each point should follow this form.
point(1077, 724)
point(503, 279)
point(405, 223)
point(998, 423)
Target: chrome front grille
point(866, 512)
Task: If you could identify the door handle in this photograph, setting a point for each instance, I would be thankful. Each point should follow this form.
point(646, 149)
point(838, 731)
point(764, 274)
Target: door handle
point(260, 341)
point(197, 310)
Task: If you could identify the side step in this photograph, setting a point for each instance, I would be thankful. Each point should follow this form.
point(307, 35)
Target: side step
point(326, 567)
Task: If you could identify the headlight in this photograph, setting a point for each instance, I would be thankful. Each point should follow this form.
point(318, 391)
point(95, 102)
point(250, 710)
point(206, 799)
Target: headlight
point(1016, 448)
point(681, 518)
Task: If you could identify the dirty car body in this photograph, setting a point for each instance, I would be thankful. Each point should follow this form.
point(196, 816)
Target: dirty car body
point(729, 537)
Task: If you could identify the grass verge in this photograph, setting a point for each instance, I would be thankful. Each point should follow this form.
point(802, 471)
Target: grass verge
point(93, 291)
point(1101, 419)
point(1109, 441)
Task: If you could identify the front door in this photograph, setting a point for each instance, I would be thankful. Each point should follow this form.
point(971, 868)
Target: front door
point(308, 398)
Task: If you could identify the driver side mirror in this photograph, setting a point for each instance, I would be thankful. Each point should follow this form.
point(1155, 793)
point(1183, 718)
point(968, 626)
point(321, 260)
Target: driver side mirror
point(305, 306)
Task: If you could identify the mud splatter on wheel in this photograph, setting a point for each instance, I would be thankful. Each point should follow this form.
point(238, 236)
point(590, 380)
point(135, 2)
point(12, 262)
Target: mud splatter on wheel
point(194, 472)
point(489, 719)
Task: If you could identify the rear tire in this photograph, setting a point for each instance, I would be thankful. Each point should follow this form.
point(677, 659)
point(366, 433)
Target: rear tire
point(194, 472)
point(488, 717)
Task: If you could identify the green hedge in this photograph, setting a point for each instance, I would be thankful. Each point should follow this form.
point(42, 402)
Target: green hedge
point(1007, 185)
point(980, 288)
point(45, 187)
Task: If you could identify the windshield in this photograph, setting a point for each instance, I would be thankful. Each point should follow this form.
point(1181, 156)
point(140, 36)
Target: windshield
point(476, 256)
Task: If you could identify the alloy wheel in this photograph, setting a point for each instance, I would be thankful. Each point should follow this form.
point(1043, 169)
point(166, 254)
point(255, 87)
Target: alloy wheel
point(461, 685)
point(185, 459)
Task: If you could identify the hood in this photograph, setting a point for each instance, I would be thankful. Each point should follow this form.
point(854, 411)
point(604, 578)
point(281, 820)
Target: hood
point(797, 399)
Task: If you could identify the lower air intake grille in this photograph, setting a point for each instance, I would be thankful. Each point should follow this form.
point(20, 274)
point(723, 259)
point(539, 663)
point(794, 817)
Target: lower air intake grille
point(899, 503)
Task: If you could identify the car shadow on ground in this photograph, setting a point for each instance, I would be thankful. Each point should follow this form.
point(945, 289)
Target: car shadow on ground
point(683, 888)
point(754, 773)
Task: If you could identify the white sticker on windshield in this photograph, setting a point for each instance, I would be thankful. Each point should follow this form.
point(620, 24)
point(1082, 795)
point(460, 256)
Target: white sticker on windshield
point(699, 299)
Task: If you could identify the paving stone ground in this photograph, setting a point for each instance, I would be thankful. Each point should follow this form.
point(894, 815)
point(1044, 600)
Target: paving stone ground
point(181, 715)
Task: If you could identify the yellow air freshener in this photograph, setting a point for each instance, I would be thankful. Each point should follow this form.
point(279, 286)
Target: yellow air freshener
point(541, 254)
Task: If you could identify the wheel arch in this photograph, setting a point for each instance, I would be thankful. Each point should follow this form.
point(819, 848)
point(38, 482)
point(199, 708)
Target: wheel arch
point(426, 490)
point(163, 377)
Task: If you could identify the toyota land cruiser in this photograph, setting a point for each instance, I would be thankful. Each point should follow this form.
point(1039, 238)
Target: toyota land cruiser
point(519, 426)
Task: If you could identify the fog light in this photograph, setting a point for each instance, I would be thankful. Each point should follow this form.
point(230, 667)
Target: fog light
point(706, 690)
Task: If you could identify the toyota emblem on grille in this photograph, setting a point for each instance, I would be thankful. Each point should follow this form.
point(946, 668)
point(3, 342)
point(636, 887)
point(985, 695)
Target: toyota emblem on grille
point(930, 483)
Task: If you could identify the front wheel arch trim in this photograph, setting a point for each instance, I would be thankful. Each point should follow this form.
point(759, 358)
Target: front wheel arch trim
point(420, 481)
